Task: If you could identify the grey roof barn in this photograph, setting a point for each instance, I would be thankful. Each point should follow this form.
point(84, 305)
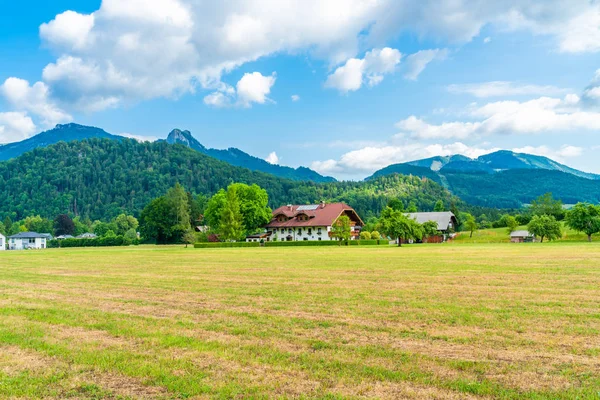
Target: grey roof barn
point(445, 220)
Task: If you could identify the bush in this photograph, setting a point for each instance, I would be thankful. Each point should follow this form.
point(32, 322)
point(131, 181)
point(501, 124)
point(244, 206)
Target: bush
point(327, 243)
point(303, 243)
point(365, 236)
point(368, 242)
point(99, 242)
point(210, 245)
point(375, 235)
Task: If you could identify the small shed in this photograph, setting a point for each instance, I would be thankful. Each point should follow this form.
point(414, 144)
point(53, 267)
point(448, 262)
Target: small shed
point(521, 237)
point(2, 242)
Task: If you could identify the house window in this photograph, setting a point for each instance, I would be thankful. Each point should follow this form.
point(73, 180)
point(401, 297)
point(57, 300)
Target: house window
point(282, 230)
point(309, 231)
point(31, 241)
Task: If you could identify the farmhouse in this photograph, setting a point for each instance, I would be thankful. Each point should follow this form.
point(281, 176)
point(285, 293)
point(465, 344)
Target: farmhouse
point(27, 240)
point(2, 242)
point(310, 222)
point(446, 221)
point(521, 237)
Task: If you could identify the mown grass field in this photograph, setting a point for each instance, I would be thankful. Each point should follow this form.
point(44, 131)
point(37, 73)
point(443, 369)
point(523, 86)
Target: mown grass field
point(421, 321)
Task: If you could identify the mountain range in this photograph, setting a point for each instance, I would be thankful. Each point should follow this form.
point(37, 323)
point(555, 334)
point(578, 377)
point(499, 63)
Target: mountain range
point(491, 163)
point(71, 132)
point(502, 179)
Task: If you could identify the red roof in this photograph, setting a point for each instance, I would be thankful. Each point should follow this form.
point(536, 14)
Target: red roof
point(318, 215)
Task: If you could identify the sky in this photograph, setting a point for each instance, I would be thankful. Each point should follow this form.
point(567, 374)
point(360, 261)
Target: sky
point(344, 87)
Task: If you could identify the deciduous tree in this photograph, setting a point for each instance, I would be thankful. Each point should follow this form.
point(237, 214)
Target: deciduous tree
point(63, 225)
point(584, 218)
point(545, 226)
point(340, 230)
point(470, 224)
point(511, 224)
point(547, 205)
point(232, 227)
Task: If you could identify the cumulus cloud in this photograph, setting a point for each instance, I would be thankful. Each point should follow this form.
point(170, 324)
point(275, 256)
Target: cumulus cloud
point(416, 63)
point(254, 88)
point(487, 39)
point(15, 126)
point(504, 88)
point(295, 97)
point(370, 69)
point(251, 88)
point(544, 114)
point(591, 94)
point(560, 154)
point(132, 50)
point(68, 31)
point(34, 99)
point(272, 158)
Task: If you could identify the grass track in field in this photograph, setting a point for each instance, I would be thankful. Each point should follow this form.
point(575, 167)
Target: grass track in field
point(422, 321)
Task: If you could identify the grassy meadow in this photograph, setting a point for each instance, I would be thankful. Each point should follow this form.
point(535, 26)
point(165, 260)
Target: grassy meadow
point(422, 321)
point(500, 235)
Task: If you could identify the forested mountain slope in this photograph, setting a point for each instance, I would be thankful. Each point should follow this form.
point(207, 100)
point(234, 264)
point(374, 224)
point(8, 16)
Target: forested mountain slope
point(102, 178)
point(64, 133)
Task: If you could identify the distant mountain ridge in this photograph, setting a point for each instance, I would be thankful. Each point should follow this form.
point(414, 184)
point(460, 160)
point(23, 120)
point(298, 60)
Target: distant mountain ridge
point(71, 132)
point(241, 159)
point(64, 133)
point(502, 179)
point(503, 160)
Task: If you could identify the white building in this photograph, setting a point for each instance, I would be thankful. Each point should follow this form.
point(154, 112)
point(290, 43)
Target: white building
point(2, 242)
point(309, 222)
point(27, 240)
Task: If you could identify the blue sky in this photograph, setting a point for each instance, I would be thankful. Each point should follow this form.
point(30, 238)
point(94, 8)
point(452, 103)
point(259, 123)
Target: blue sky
point(344, 87)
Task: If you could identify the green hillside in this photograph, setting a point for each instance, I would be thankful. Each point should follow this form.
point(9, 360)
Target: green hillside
point(101, 178)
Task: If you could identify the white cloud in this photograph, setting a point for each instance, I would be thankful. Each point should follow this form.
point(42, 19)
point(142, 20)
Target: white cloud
point(15, 126)
point(272, 158)
point(140, 138)
point(591, 94)
point(563, 152)
point(544, 114)
point(295, 97)
point(251, 88)
point(582, 33)
point(133, 50)
point(34, 99)
point(416, 63)
point(68, 31)
point(254, 88)
point(375, 64)
point(487, 39)
point(504, 88)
